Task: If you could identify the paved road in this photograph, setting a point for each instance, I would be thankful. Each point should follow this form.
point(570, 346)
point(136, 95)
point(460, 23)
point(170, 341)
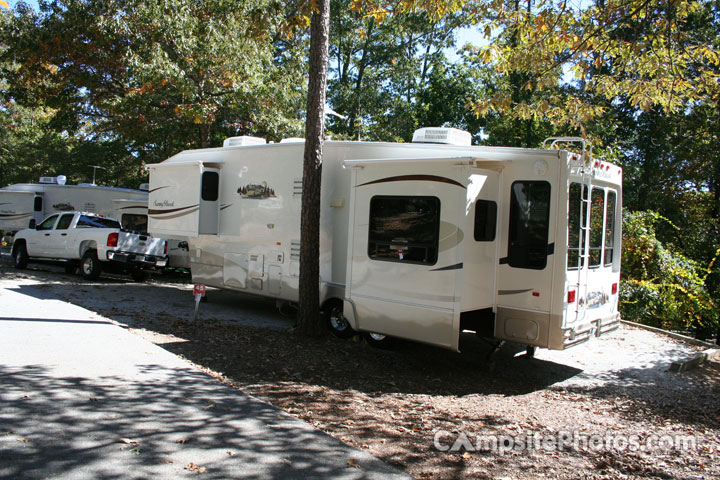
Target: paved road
point(83, 398)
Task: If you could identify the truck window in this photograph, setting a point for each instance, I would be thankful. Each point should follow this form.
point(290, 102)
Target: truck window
point(485, 220)
point(404, 229)
point(65, 221)
point(529, 224)
point(134, 222)
point(210, 186)
point(610, 227)
point(48, 223)
point(597, 213)
point(86, 221)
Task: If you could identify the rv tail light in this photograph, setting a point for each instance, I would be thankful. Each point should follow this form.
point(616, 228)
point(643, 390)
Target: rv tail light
point(571, 296)
point(112, 240)
point(614, 288)
point(165, 248)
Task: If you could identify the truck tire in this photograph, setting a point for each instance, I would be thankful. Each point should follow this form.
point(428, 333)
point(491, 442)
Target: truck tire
point(90, 267)
point(20, 256)
point(335, 320)
point(140, 275)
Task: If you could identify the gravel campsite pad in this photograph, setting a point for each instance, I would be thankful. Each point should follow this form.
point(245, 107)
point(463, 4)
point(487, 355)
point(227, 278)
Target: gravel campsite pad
point(605, 409)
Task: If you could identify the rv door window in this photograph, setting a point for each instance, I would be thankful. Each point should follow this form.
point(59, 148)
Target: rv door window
point(37, 205)
point(404, 229)
point(48, 223)
point(134, 222)
point(597, 213)
point(576, 235)
point(65, 221)
point(610, 227)
point(485, 220)
point(529, 225)
point(210, 186)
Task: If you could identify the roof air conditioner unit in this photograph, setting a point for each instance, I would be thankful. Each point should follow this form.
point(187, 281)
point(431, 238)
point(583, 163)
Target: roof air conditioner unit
point(444, 135)
point(243, 141)
point(52, 180)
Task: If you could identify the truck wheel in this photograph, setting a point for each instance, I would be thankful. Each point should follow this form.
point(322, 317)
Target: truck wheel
point(336, 322)
point(140, 275)
point(90, 267)
point(378, 340)
point(20, 256)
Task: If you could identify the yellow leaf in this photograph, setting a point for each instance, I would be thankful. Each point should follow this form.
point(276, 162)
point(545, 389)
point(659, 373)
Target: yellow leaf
point(4, 4)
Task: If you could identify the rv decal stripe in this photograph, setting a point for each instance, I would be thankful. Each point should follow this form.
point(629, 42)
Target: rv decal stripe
point(513, 292)
point(457, 266)
point(170, 210)
point(177, 215)
point(158, 188)
point(415, 178)
point(128, 208)
point(223, 207)
point(15, 215)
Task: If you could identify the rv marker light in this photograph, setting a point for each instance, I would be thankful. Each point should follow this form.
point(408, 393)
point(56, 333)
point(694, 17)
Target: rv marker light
point(614, 288)
point(536, 294)
point(571, 296)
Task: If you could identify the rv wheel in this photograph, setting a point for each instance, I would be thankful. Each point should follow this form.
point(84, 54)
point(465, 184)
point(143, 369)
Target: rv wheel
point(90, 265)
point(336, 321)
point(20, 256)
point(379, 340)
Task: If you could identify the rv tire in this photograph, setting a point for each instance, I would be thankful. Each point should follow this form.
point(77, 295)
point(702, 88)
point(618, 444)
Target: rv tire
point(336, 321)
point(378, 340)
point(20, 256)
point(90, 267)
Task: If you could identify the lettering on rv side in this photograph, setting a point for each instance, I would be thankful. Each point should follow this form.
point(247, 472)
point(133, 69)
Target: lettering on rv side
point(164, 203)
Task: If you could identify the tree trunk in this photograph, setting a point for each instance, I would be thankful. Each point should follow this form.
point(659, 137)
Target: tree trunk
point(309, 321)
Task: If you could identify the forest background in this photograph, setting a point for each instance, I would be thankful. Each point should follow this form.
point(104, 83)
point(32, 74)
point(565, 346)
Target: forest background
point(126, 83)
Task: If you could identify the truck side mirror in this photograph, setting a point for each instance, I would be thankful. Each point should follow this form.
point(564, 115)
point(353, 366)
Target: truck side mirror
point(33, 224)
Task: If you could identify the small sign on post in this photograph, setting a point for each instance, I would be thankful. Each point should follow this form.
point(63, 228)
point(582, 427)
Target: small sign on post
point(199, 293)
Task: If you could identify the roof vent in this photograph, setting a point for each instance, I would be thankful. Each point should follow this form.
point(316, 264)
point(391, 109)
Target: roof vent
point(444, 135)
point(292, 140)
point(52, 180)
point(243, 141)
point(144, 187)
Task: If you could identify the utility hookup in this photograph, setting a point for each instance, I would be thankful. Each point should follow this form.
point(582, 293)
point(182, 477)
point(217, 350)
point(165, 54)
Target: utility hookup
point(199, 293)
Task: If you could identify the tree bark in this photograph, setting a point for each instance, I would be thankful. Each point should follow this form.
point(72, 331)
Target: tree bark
point(309, 321)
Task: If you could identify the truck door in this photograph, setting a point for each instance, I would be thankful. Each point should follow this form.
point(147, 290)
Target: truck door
point(39, 242)
point(57, 239)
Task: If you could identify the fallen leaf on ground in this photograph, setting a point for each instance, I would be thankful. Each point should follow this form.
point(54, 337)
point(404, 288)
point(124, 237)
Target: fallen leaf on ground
point(194, 467)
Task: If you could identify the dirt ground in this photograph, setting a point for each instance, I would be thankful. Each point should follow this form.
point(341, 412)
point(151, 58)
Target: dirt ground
point(605, 409)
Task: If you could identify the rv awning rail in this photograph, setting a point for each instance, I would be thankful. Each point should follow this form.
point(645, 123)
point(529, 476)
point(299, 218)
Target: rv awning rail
point(377, 161)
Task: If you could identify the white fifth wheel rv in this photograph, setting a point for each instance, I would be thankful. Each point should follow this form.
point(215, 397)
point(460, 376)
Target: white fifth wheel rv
point(420, 241)
point(22, 203)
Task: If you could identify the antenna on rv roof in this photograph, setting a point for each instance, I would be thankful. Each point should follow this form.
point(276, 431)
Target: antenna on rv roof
point(95, 167)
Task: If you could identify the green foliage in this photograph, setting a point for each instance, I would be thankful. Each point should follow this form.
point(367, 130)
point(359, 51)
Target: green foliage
point(661, 287)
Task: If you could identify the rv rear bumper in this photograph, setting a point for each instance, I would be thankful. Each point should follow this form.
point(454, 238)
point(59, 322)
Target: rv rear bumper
point(138, 260)
point(597, 327)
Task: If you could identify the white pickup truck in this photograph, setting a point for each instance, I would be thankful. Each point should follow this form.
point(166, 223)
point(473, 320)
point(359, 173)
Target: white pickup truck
point(93, 242)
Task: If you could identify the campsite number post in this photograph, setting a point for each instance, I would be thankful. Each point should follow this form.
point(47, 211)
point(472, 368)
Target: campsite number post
point(198, 292)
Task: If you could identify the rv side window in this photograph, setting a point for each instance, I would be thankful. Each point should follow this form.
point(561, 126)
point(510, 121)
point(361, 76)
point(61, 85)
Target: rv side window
point(597, 213)
point(404, 229)
point(210, 184)
point(37, 206)
point(576, 235)
point(48, 223)
point(529, 225)
point(485, 220)
point(65, 221)
point(134, 222)
point(610, 227)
